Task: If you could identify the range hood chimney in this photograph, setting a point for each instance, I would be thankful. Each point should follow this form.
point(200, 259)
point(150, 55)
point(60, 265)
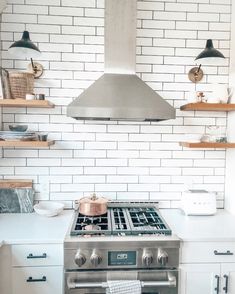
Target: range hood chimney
point(119, 94)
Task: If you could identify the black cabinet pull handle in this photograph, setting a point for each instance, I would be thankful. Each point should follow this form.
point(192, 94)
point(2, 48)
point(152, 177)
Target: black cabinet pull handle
point(223, 253)
point(44, 255)
point(225, 288)
point(31, 280)
point(217, 284)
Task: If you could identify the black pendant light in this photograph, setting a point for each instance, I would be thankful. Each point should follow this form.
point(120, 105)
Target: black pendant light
point(210, 51)
point(25, 48)
point(209, 55)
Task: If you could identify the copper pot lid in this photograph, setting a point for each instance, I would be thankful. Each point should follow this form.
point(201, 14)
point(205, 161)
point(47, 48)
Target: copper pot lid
point(93, 199)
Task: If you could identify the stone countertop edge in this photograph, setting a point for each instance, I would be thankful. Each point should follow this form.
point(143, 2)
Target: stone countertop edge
point(31, 228)
point(212, 228)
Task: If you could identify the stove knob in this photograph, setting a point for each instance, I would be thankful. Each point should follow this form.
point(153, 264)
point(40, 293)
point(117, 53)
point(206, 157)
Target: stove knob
point(162, 257)
point(95, 259)
point(80, 259)
point(147, 258)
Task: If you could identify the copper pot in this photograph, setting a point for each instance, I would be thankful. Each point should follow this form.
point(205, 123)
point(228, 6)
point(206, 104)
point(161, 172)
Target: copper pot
point(93, 206)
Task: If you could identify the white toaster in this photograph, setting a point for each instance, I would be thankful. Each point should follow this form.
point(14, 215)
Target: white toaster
point(198, 202)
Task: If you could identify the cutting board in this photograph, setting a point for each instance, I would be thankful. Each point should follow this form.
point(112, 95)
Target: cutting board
point(16, 196)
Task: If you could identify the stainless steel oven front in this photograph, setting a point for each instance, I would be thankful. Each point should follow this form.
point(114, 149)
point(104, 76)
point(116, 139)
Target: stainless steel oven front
point(154, 281)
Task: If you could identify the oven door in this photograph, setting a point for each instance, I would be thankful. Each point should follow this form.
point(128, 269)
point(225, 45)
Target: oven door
point(153, 281)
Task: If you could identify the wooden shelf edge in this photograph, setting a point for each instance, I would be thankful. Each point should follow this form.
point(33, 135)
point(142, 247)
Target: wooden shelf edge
point(12, 184)
point(32, 144)
point(207, 145)
point(201, 106)
point(26, 103)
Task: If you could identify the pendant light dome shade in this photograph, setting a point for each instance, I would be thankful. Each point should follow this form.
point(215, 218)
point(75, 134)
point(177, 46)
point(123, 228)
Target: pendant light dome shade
point(24, 48)
point(209, 54)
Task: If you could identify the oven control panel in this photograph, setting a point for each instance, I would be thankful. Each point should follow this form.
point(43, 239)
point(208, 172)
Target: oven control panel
point(147, 257)
point(118, 258)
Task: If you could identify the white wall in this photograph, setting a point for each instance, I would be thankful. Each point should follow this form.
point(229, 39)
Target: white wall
point(230, 158)
point(119, 159)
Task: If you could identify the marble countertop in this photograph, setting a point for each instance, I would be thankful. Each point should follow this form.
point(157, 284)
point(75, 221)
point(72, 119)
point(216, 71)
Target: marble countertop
point(31, 228)
point(218, 227)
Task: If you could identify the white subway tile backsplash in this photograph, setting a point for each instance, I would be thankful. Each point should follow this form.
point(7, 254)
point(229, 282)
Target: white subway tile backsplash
point(43, 162)
point(110, 187)
point(68, 11)
point(133, 145)
point(214, 8)
point(143, 187)
point(144, 162)
point(90, 153)
point(122, 153)
point(19, 18)
point(198, 171)
point(77, 187)
point(122, 160)
point(74, 3)
point(133, 170)
point(145, 137)
point(28, 9)
point(64, 170)
point(168, 15)
point(77, 162)
point(100, 170)
point(88, 179)
point(122, 179)
point(147, 5)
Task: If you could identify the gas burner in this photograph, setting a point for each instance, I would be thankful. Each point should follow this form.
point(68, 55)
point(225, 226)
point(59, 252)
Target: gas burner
point(91, 228)
point(131, 219)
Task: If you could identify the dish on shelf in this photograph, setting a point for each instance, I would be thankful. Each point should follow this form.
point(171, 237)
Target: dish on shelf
point(18, 128)
point(17, 136)
point(48, 208)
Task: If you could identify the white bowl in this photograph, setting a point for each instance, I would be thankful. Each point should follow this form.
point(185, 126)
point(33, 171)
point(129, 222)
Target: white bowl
point(48, 208)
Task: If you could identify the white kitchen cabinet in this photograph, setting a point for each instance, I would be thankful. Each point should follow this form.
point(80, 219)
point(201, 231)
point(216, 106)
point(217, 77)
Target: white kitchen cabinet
point(207, 268)
point(5, 269)
point(199, 278)
point(228, 278)
point(37, 255)
point(37, 269)
point(37, 280)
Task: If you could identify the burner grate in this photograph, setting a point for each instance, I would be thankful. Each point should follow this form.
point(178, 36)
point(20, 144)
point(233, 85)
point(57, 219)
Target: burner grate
point(98, 225)
point(122, 221)
point(147, 221)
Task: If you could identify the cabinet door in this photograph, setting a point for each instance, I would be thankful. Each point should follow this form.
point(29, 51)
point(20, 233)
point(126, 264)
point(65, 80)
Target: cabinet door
point(199, 278)
point(5, 269)
point(228, 278)
point(37, 280)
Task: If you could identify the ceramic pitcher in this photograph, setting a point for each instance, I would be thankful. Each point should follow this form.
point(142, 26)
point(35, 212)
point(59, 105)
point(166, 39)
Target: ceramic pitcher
point(220, 93)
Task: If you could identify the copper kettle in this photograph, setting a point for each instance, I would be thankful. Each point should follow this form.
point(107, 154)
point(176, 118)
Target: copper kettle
point(93, 205)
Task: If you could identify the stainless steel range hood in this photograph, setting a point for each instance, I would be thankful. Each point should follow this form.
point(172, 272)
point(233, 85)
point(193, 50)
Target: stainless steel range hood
point(119, 94)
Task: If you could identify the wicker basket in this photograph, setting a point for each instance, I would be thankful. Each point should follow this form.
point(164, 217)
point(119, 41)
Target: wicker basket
point(21, 83)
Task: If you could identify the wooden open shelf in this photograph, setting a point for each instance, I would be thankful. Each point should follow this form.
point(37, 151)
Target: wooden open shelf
point(27, 144)
point(207, 145)
point(12, 184)
point(26, 103)
point(208, 107)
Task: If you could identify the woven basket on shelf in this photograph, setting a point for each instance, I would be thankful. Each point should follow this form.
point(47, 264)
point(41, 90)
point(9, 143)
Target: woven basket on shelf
point(21, 83)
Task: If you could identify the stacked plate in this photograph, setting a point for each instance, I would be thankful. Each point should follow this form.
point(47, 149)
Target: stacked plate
point(17, 136)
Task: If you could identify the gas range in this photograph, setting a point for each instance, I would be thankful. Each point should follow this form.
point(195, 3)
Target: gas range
point(122, 219)
point(131, 241)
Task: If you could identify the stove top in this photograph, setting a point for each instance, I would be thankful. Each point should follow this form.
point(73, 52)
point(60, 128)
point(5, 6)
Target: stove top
point(121, 220)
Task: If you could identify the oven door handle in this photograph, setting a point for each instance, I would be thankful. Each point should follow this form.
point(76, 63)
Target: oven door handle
point(171, 282)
